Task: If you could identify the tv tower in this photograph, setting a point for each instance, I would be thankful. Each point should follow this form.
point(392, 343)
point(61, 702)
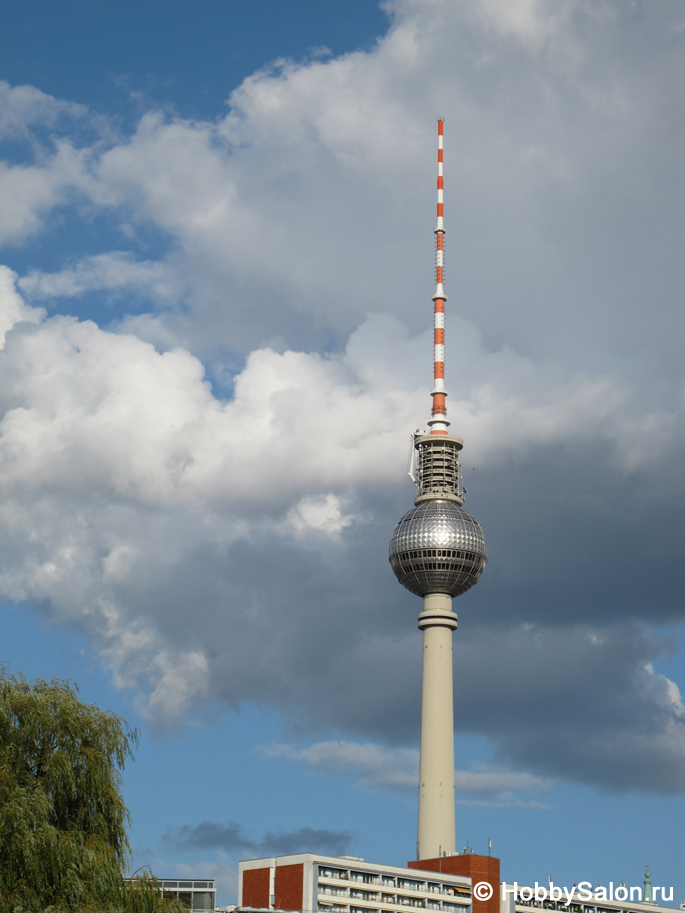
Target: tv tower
point(437, 551)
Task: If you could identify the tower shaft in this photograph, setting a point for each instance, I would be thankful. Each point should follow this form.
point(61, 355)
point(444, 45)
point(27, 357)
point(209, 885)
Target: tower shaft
point(436, 834)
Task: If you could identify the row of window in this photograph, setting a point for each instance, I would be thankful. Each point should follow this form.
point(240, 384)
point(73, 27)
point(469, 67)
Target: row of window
point(165, 883)
point(404, 901)
point(366, 877)
point(397, 902)
point(420, 567)
point(571, 908)
point(439, 553)
point(196, 901)
point(389, 882)
point(387, 898)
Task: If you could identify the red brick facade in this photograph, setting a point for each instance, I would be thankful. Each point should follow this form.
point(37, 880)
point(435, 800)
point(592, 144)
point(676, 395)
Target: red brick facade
point(256, 888)
point(289, 887)
point(477, 868)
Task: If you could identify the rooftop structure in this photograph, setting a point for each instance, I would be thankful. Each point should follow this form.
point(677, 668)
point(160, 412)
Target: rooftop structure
point(437, 551)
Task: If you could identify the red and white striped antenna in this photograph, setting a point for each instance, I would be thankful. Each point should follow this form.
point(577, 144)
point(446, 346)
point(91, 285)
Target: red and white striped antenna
point(438, 420)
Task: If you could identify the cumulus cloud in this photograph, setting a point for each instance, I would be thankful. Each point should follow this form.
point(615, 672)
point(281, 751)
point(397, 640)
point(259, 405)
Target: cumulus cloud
point(196, 539)
point(152, 496)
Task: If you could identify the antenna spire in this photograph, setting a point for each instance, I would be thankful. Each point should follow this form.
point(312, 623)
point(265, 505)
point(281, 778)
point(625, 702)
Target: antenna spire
point(438, 420)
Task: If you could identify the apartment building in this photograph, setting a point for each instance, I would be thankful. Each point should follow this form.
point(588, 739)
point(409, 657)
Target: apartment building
point(311, 882)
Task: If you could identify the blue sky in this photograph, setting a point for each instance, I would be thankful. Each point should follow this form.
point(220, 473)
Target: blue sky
point(216, 232)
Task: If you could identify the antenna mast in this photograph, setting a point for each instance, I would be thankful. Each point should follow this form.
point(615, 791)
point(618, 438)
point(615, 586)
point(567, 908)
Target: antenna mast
point(438, 420)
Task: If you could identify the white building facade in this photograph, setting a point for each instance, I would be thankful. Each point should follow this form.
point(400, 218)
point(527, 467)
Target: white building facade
point(347, 884)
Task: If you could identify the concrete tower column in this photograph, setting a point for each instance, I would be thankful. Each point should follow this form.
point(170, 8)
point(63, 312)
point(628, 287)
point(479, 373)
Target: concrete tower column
point(436, 776)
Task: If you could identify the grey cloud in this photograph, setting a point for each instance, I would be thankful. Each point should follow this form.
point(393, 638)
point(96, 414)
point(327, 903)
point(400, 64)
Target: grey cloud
point(210, 835)
point(553, 695)
point(576, 702)
point(232, 838)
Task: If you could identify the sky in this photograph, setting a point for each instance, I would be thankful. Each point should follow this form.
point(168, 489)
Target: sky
point(216, 272)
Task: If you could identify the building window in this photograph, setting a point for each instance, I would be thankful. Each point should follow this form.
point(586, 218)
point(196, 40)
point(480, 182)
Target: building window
point(325, 872)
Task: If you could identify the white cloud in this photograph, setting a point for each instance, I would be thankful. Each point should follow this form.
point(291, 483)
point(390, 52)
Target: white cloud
point(114, 271)
point(22, 107)
point(533, 22)
point(325, 513)
point(374, 766)
point(377, 767)
point(30, 192)
point(12, 307)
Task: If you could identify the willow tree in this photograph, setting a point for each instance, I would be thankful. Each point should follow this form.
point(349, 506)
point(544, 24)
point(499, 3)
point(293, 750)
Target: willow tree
point(63, 839)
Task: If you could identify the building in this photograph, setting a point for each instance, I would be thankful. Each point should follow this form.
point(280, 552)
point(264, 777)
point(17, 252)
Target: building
point(314, 883)
point(196, 894)
point(347, 884)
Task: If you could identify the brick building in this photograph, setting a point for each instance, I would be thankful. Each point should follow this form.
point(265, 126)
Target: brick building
point(348, 884)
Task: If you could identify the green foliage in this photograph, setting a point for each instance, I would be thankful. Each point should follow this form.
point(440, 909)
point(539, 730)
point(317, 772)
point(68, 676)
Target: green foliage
point(63, 841)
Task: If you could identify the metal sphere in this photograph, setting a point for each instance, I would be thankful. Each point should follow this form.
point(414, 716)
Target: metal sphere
point(438, 547)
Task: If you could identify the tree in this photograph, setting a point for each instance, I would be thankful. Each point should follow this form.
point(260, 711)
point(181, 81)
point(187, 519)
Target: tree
point(63, 840)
